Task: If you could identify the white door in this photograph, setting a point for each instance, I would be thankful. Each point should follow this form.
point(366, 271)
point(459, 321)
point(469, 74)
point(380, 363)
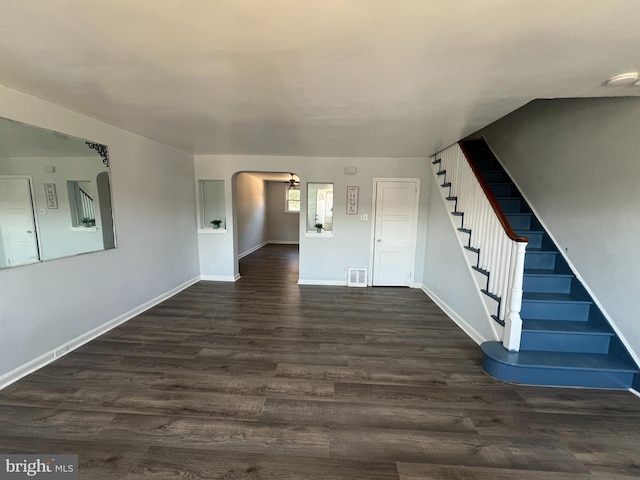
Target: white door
point(17, 225)
point(396, 218)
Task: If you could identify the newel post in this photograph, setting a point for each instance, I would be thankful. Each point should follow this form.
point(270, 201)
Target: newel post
point(513, 322)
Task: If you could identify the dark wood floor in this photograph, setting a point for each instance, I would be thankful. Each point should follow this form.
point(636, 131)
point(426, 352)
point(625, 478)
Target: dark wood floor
point(265, 379)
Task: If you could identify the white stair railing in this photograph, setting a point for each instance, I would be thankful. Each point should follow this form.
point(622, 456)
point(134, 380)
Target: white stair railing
point(501, 251)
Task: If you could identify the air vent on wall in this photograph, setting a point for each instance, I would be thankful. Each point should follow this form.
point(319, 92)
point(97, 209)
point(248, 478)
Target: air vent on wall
point(357, 277)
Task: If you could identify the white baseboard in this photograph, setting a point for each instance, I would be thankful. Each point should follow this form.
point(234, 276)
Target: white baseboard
point(220, 278)
point(48, 357)
point(283, 242)
point(251, 250)
point(468, 329)
point(335, 283)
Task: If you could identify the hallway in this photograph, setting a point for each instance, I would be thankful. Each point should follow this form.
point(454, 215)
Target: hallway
point(265, 379)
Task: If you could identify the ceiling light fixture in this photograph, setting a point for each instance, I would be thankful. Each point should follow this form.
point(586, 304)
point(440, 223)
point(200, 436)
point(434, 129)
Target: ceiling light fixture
point(293, 183)
point(624, 79)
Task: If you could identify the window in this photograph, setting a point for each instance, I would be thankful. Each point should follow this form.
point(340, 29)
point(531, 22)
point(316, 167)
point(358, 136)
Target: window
point(292, 199)
point(320, 206)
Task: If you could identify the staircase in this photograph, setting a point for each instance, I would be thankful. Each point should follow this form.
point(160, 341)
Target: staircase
point(566, 340)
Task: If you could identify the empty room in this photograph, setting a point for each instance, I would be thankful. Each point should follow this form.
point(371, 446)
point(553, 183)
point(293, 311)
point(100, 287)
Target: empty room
point(340, 239)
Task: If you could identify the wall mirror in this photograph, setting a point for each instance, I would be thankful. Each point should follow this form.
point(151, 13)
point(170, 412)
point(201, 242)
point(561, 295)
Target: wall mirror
point(55, 195)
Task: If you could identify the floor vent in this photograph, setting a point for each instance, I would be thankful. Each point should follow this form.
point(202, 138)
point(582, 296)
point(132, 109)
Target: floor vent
point(357, 277)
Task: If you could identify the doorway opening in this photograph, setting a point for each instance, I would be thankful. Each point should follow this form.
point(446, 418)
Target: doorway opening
point(18, 233)
point(266, 213)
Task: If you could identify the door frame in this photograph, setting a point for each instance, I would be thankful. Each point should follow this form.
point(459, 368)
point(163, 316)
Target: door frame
point(372, 244)
point(32, 195)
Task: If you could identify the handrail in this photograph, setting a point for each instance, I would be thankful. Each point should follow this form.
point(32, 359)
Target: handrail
point(82, 192)
point(492, 199)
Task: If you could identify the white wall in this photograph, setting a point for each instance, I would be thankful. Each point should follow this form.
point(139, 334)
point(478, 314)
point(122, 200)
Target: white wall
point(576, 161)
point(251, 218)
point(323, 259)
point(153, 201)
point(281, 226)
point(446, 277)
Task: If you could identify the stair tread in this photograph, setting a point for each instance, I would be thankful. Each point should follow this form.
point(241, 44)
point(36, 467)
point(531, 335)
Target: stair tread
point(525, 231)
point(545, 273)
point(566, 326)
point(554, 297)
point(480, 270)
point(558, 360)
point(540, 250)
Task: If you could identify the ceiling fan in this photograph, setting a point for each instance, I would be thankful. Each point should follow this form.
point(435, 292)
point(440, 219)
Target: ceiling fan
point(293, 183)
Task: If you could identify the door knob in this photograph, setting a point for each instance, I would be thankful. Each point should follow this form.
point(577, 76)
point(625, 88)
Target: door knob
point(378, 240)
point(29, 231)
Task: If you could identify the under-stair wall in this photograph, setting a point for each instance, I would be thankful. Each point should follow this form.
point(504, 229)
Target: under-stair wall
point(447, 277)
point(583, 154)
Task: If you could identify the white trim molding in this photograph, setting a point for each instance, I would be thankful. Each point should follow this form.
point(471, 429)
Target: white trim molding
point(334, 283)
point(251, 250)
point(458, 320)
point(212, 230)
point(220, 278)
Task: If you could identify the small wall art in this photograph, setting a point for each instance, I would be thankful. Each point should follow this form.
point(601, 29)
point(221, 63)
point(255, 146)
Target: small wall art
point(352, 200)
point(52, 196)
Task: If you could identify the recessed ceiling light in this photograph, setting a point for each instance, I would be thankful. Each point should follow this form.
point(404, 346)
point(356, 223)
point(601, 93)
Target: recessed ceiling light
point(622, 79)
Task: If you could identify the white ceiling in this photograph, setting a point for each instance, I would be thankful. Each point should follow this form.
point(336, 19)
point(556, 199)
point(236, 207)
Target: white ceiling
point(320, 78)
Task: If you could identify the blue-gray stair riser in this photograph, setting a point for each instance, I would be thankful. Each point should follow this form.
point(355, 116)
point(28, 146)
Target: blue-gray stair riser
point(500, 190)
point(535, 238)
point(547, 310)
point(519, 221)
point(486, 163)
point(510, 205)
point(564, 342)
point(493, 176)
point(557, 376)
point(540, 260)
point(546, 284)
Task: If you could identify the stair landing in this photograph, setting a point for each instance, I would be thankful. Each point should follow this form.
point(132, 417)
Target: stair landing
point(569, 369)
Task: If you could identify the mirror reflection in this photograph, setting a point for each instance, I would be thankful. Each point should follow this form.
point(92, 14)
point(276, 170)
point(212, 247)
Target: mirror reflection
point(55, 195)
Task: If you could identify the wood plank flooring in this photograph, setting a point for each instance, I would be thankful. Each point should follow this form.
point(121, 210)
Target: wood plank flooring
point(265, 379)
